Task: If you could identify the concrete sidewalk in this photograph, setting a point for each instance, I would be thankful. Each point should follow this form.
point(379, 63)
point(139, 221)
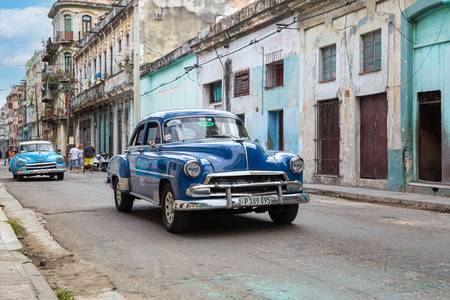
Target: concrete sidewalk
point(409, 200)
point(19, 278)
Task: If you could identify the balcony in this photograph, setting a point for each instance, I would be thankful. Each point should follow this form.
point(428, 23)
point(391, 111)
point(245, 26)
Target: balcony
point(64, 36)
point(92, 94)
point(53, 114)
point(118, 81)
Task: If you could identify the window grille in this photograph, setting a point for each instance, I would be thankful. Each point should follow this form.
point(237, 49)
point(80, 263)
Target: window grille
point(328, 56)
point(371, 51)
point(241, 83)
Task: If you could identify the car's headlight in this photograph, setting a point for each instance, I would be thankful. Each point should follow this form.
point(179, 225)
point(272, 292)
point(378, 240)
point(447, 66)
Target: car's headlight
point(192, 168)
point(296, 164)
point(21, 163)
point(60, 160)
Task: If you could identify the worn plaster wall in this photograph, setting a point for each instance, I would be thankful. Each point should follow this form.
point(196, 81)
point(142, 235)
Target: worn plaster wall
point(260, 101)
point(180, 94)
point(344, 28)
point(181, 20)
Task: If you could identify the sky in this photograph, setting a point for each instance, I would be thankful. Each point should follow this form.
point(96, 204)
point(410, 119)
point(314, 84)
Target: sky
point(24, 25)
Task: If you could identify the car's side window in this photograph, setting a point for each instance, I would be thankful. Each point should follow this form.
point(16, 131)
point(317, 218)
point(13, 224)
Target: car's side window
point(153, 134)
point(137, 137)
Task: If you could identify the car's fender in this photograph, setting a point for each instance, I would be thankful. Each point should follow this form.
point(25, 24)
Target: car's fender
point(119, 169)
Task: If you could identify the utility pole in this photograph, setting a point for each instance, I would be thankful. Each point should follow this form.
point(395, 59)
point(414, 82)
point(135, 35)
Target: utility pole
point(136, 66)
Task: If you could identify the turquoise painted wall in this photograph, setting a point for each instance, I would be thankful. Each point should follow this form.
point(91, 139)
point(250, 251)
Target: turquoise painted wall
point(286, 98)
point(425, 56)
point(183, 93)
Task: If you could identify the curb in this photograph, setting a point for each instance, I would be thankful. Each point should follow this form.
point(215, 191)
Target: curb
point(391, 201)
point(10, 244)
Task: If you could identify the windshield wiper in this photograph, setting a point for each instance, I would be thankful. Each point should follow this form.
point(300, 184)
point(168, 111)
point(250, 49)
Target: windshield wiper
point(223, 136)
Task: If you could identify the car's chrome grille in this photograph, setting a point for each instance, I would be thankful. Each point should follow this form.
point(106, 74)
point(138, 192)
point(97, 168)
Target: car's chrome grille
point(254, 184)
point(39, 166)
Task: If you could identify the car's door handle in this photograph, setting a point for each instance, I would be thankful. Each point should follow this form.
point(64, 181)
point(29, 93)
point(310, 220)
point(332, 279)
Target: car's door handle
point(140, 149)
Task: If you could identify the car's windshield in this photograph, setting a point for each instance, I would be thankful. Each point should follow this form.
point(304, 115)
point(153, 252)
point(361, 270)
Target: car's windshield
point(36, 148)
point(191, 128)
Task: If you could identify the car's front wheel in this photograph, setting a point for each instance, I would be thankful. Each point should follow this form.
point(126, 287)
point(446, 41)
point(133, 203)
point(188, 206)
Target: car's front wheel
point(175, 221)
point(283, 214)
point(20, 177)
point(60, 176)
point(123, 201)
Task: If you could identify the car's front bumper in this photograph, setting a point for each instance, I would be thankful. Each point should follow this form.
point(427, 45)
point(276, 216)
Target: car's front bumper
point(232, 202)
point(41, 171)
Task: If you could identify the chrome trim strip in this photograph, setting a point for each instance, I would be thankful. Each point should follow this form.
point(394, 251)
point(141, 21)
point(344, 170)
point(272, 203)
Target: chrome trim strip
point(243, 173)
point(151, 173)
point(224, 203)
point(41, 171)
point(145, 198)
point(246, 155)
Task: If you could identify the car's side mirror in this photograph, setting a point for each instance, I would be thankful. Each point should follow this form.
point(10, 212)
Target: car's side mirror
point(58, 151)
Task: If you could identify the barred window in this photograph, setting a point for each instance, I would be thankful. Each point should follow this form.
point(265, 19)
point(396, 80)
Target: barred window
point(371, 51)
point(241, 83)
point(274, 74)
point(328, 55)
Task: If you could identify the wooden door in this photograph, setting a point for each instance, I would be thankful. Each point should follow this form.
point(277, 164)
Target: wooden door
point(328, 137)
point(373, 112)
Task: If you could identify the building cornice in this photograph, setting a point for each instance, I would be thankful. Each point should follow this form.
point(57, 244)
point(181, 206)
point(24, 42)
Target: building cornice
point(75, 3)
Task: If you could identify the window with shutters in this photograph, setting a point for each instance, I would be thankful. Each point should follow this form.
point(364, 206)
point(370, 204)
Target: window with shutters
point(328, 63)
point(371, 51)
point(242, 83)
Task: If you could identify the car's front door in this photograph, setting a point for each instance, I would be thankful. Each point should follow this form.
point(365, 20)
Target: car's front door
point(132, 155)
point(147, 164)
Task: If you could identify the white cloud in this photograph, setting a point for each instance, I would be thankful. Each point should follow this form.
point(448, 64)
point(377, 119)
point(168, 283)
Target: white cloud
point(28, 22)
point(22, 32)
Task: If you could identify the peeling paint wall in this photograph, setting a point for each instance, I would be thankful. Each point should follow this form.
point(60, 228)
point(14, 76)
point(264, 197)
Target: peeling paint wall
point(180, 21)
point(260, 101)
point(183, 93)
point(344, 27)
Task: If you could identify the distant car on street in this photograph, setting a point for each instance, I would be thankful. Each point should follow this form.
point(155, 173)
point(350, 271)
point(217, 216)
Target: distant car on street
point(193, 160)
point(37, 158)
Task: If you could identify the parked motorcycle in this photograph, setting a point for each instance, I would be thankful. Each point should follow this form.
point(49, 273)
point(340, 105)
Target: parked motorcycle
point(101, 162)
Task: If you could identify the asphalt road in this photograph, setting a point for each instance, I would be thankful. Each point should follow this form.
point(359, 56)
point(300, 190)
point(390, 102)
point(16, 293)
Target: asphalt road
point(335, 250)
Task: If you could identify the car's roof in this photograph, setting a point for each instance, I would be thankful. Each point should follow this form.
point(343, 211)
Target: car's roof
point(34, 142)
point(170, 114)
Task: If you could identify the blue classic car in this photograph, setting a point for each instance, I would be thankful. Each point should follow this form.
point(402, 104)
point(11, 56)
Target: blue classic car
point(191, 160)
point(37, 158)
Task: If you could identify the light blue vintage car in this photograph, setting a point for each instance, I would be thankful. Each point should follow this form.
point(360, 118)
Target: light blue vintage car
point(192, 160)
point(37, 158)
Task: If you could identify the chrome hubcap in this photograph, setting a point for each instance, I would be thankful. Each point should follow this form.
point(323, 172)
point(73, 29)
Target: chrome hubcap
point(169, 213)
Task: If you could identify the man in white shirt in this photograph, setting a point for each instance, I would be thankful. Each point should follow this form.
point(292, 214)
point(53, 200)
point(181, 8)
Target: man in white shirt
point(74, 155)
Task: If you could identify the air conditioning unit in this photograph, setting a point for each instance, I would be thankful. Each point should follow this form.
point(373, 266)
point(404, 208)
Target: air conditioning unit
point(158, 14)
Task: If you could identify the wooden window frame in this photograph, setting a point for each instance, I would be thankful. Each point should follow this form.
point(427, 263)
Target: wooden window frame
point(328, 59)
point(370, 43)
point(242, 83)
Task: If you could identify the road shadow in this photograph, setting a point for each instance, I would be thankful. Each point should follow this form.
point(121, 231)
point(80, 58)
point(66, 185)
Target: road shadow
point(207, 224)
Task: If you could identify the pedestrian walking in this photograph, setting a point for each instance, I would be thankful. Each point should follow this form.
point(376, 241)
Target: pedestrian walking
point(74, 155)
point(80, 157)
point(88, 156)
point(6, 158)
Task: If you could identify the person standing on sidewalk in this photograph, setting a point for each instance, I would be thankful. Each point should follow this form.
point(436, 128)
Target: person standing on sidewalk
point(74, 155)
point(80, 156)
point(88, 155)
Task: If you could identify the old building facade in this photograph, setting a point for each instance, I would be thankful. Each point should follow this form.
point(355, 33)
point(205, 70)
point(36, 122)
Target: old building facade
point(102, 104)
point(71, 20)
point(33, 98)
point(425, 95)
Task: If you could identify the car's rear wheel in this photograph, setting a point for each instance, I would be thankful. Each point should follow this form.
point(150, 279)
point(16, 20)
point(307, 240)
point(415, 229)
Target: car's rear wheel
point(175, 221)
point(60, 176)
point(123, 201)
point(283, 214)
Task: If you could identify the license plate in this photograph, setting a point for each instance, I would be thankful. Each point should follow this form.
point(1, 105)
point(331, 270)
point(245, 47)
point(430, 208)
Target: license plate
point(255, 200)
